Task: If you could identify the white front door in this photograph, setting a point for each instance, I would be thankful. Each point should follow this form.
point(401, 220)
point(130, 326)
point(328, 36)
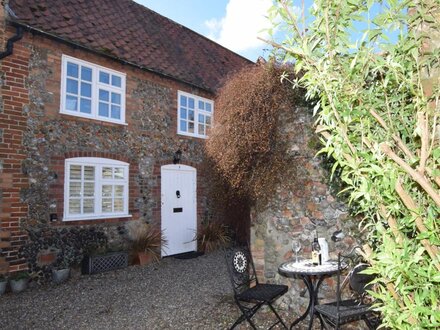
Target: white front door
point(179, 208)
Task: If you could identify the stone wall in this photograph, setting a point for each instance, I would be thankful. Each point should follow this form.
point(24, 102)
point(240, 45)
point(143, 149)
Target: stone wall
point(36, 139)
point(304, 203)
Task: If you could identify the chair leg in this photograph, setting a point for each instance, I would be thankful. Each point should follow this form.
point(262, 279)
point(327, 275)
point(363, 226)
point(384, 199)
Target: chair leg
point(246, 314)
point(371, 325)
point(238, 321)
point(277, 315)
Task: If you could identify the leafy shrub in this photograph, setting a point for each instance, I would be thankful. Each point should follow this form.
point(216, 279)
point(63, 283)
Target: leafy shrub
point(378, 113)
point(212, 236)
point(146, 238)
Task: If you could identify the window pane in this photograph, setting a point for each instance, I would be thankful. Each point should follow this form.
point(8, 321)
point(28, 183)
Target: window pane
point(85, 106)
point(89, 189)
point(74, 206)
point(201, 119)
point(75, 189)
point(104, 95)
point(86, 73)
point(104, 77)
point(107, 173)
point(86, 89)
point(103, 109)
point(107, 190)
point(116, 81)
point(119, 205)
point(191, 103)
point(201, 105)
point(89, 173)
point(71, 103)
point(119, 191)
point(89, 206)
point(191, 115)
point(208, 120)
point(182, 113)
point(183, 126)
point(72, 86)
point(116, 112)
point(75, 172)
point(191, 127)
point(208, 107)
point(202, 129)
point(106, 205)
point(72, 69)
point(119, 173)
point(116, 98)
point(183, 102)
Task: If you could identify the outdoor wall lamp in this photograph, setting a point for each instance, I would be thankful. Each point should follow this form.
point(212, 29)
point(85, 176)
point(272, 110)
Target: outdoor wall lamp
point(177, 156)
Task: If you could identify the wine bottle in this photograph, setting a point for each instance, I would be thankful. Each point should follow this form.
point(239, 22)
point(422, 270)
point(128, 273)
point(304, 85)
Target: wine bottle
point(316, 253)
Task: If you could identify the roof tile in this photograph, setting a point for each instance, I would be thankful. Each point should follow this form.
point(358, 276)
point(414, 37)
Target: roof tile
point(134, 33)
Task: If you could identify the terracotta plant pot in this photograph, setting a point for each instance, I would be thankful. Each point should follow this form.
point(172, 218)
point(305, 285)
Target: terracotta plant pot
point(145, 258)
point(46, 258)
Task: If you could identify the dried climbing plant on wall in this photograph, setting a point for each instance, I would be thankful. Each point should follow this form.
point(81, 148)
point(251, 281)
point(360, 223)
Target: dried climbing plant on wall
point(373, 69)
point(244, 145)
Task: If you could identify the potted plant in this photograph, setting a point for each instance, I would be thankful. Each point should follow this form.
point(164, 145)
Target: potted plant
point(3, 283)
point(212, 236)
point(146, 241)
point(19, 281)
point(61, 269)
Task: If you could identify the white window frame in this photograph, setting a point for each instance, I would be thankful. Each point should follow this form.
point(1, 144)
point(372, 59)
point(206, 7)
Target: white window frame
point(98, 163)
point(95, 90)
point(196, 114)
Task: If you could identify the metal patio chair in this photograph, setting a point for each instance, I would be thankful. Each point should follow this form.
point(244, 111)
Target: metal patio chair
point(249, 294)
point(343, 311)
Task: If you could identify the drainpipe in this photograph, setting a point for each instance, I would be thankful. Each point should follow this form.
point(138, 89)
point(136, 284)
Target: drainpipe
point(10, 43)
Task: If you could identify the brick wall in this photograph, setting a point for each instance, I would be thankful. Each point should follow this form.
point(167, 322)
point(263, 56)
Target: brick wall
point(36, 139)
point(14, 98)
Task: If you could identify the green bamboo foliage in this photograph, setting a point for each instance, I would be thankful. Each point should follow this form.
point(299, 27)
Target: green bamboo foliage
point(373, 69)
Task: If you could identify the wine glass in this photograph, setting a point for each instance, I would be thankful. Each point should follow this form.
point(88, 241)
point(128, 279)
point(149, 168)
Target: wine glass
point(296, 247)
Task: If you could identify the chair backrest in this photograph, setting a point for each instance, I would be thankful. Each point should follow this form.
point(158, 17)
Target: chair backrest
point(358, 281)
point(241, 268)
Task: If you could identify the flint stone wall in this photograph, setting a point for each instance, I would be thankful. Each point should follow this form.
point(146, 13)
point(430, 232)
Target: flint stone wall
point(47, 138)
point(303, 204)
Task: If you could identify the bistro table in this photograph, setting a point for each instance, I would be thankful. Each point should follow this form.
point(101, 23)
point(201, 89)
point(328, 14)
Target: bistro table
point(312, 276)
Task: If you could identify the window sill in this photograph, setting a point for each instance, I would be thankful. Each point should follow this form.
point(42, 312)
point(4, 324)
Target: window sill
point(193, 135)
point(97, 217)
point(79, 115)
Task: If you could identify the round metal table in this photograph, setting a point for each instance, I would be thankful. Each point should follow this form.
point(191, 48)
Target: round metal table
point(312, 277)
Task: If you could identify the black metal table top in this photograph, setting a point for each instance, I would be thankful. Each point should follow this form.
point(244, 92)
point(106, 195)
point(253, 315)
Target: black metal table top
point(306, 267)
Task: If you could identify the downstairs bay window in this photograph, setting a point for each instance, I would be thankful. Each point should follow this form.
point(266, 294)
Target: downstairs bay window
point(95, 188)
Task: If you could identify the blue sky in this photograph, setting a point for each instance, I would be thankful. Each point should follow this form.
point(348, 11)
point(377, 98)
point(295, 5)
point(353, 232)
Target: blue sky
point(234, 24)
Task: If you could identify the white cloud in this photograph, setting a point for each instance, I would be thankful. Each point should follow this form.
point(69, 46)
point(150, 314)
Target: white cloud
point(241, 26)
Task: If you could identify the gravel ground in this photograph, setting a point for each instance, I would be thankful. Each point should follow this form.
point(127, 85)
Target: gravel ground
point(173, 294)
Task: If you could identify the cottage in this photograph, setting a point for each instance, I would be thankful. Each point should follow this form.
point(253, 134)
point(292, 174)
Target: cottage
point(97, 99)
